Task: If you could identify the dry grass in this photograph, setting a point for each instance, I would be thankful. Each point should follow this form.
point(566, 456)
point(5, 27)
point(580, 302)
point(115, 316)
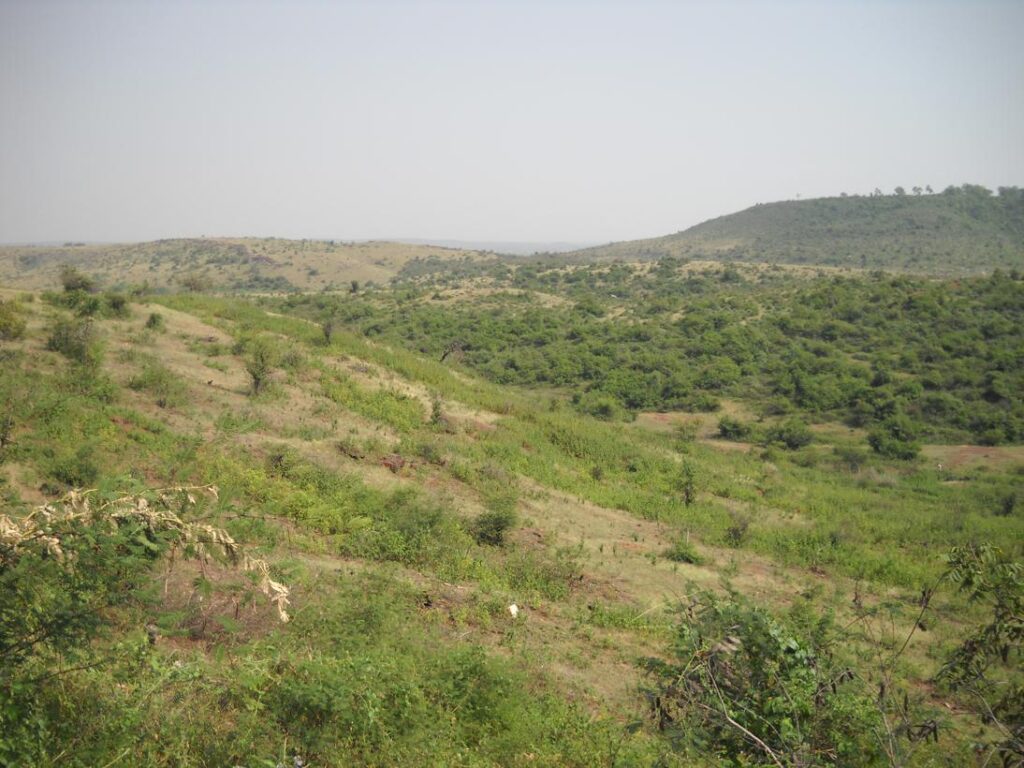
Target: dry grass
point(309, 265)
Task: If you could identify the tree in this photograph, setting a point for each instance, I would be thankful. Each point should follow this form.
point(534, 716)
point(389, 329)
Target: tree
point(193, 283)
point(687, 483)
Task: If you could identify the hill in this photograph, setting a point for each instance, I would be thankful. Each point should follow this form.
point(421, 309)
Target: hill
point(221, 264)
point(961, 230)
point(407, 492)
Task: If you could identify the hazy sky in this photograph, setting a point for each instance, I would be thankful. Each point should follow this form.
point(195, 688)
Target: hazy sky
point(488, 120)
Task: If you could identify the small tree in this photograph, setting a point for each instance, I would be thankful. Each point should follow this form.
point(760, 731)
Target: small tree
point(327, 328)
point(260, 363)
point(193, 283)
point(687, 483)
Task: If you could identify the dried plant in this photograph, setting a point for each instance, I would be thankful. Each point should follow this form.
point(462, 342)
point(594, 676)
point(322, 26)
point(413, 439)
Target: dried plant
point(47, 527)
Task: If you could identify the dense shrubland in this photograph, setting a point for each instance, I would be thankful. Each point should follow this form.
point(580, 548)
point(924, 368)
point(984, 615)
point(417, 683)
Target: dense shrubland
point(907, 358)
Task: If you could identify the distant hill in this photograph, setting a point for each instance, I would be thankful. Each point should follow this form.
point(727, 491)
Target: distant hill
point(231, 264)
point(507, 247)
point(960, 230)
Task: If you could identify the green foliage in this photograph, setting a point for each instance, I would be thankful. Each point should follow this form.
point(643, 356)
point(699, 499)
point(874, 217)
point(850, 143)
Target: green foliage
point(791, 433)
point(77, 469)
point(155, 322)
point(682, 551)
point(962, 230)
point(824, 347)
point(261, 358)
point(490, 527)
point(76, 339)
point(756, 689)
point(895, 438)
point(686, 483)
point(733, 429)
point(166, 387)
point(73, 280)
point(981, 665)
point(12, 324)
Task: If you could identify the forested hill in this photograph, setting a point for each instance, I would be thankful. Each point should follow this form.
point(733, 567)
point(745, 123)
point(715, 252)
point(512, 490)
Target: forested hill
point(960, 230)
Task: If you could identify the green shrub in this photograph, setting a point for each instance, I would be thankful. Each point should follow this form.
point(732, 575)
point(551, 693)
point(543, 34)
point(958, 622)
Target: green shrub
point(117, 304)
point(792, 433)
point(682, 551)
point(12, 324)
point(732, 429)
point(753, 689)
point(491, 526)
point(155, 322)
point(76, 470)
point(74, 280)
point(168, 390)
point(76, 339)
point(894, 438)
point(261, 359)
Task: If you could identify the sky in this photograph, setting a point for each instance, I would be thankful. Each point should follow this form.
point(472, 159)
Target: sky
point(516, 121)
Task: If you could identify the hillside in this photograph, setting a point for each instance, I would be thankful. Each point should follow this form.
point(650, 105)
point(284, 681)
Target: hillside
point(221, 264)
point(763, 552)
point(959, 231)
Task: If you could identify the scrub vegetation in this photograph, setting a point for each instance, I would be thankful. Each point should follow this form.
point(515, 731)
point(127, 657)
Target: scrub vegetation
point(520, 514)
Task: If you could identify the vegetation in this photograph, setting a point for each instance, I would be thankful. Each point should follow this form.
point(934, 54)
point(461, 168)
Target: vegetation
point(530, 515)
point(907, 358)
point(965, 229)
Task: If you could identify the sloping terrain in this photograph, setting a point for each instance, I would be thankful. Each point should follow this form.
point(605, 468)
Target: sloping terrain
point(408, 505)
point(959, 231)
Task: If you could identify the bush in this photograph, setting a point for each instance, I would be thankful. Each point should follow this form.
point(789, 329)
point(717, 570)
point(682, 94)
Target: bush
point(491, 526)
point(159, 381)
point(12, 324)
point(76, 339)
point(894, 438)
point(77, 470)
point(757, 690)
point(74, 280)
point(732, 429)
point(792, 433)
point(600, 406)
point(117, 304)
point(155, 322)
point(739, 525)
point(260, 362)
point(682, 551)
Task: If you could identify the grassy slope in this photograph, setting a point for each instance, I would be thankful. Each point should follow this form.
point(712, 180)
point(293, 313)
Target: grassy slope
point(252, 264)
point(953, 233)
point(815, 528)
